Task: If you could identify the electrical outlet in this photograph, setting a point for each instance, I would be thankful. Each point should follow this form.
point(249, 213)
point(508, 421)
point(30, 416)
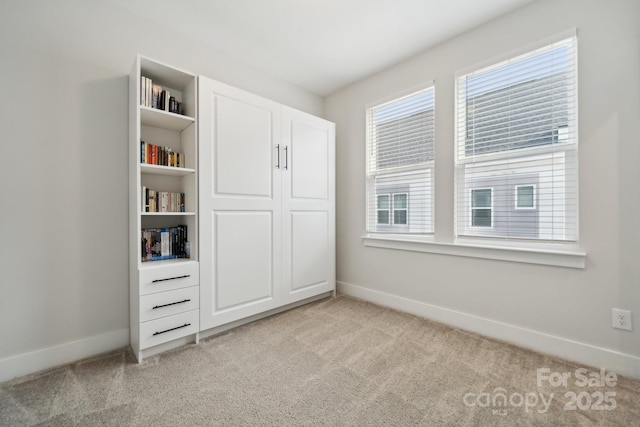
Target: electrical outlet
point(621, 319)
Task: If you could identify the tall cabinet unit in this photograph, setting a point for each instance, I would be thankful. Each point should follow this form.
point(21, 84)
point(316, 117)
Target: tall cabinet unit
point(164, 268)
point(267, 209)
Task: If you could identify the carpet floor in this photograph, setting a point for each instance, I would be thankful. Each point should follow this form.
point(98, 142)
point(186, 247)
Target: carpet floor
point(338, 361)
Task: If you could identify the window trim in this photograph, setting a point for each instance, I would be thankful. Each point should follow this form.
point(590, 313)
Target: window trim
point(563, 254)
point(568, 254)
point(461, 111)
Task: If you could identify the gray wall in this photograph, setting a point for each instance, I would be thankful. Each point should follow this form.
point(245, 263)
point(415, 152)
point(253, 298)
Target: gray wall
point(572, 304)
point(64, 120)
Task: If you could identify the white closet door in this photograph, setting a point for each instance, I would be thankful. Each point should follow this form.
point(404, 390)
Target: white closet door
point(240, 204)
point(308, 195)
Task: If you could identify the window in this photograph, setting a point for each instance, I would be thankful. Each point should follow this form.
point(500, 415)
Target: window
point(481, 207)
point(396, 210)
point(400, 209)
point(400, 154)
point(384, 209)
point(516, 134)
point(525, 197)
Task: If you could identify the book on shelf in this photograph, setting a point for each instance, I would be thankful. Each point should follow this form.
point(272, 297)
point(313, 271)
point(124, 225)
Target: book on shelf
point(162, 201)
point(143, 90)
point(163, 156)
point(155, 96)
point(145, 199)
point(155, 100)
point(164, 100)
point(164, 243)
point(146, 91)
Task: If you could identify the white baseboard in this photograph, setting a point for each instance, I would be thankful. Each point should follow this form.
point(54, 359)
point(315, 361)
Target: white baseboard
point(620, 363)
point(39, 360)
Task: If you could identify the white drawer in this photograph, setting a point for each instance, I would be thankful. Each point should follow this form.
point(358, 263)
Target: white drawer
point(168, 328)
point(155, 306)
point(160, 278)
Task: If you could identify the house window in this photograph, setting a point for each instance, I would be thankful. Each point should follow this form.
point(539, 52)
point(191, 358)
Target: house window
point(384, 209)
point(516, 128)
point(525, 197)
point(392, 209)
point(400, 156)
point(481, 207)
point(400, 209)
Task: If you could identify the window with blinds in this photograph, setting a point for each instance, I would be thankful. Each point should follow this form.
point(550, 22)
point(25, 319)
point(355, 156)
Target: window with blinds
point(400, 154)
point(516, 147)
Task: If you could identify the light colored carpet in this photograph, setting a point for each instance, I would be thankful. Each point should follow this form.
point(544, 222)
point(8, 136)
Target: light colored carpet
point(338, 361)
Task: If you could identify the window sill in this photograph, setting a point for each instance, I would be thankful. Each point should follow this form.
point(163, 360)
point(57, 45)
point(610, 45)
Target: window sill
point(560, 255)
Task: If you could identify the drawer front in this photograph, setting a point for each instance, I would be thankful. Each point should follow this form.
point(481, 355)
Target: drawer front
point(162, 304)
point(168, 328)
point(168, 277)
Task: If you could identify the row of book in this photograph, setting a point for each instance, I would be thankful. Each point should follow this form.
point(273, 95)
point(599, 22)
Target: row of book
point(154, 96)
point(165, 243)
point(164, 156)
point(162, 201)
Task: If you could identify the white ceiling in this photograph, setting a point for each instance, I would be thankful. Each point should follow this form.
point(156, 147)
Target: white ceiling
point(321, 45)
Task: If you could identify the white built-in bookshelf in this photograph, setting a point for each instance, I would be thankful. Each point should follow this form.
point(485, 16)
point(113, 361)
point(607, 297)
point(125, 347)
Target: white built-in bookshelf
point(163, 205)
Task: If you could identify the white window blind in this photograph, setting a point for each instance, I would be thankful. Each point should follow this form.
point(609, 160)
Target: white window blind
point(400, 153)
point(516, 133)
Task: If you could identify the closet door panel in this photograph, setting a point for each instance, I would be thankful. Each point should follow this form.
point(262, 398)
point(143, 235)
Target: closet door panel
point(308, 187)
point(243, 148)
point(240, 204)
point(309, 248)
point(309, 162)
point(244, 258)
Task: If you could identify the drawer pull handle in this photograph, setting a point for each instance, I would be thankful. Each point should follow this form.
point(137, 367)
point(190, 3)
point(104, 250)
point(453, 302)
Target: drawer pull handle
point(171, 303)
point(172, 329)
point(171, 278)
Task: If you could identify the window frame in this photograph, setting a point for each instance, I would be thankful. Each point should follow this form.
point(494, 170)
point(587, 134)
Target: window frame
point(447, 241)
point(425, 168)
point(564, 143)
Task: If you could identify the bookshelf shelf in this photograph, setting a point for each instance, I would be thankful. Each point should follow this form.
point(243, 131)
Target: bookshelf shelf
point(166, 262)
point(168, 214)
point(163, 119)
point(160, 241)
point(165, 170)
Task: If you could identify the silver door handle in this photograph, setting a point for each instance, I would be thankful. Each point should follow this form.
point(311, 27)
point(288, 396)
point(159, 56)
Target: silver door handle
point(286, 157)
point(278, 150)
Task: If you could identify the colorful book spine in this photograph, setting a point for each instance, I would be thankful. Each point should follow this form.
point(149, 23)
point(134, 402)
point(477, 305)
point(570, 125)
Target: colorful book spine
point(162, 201)
point(164, 243)
point(162, 156)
